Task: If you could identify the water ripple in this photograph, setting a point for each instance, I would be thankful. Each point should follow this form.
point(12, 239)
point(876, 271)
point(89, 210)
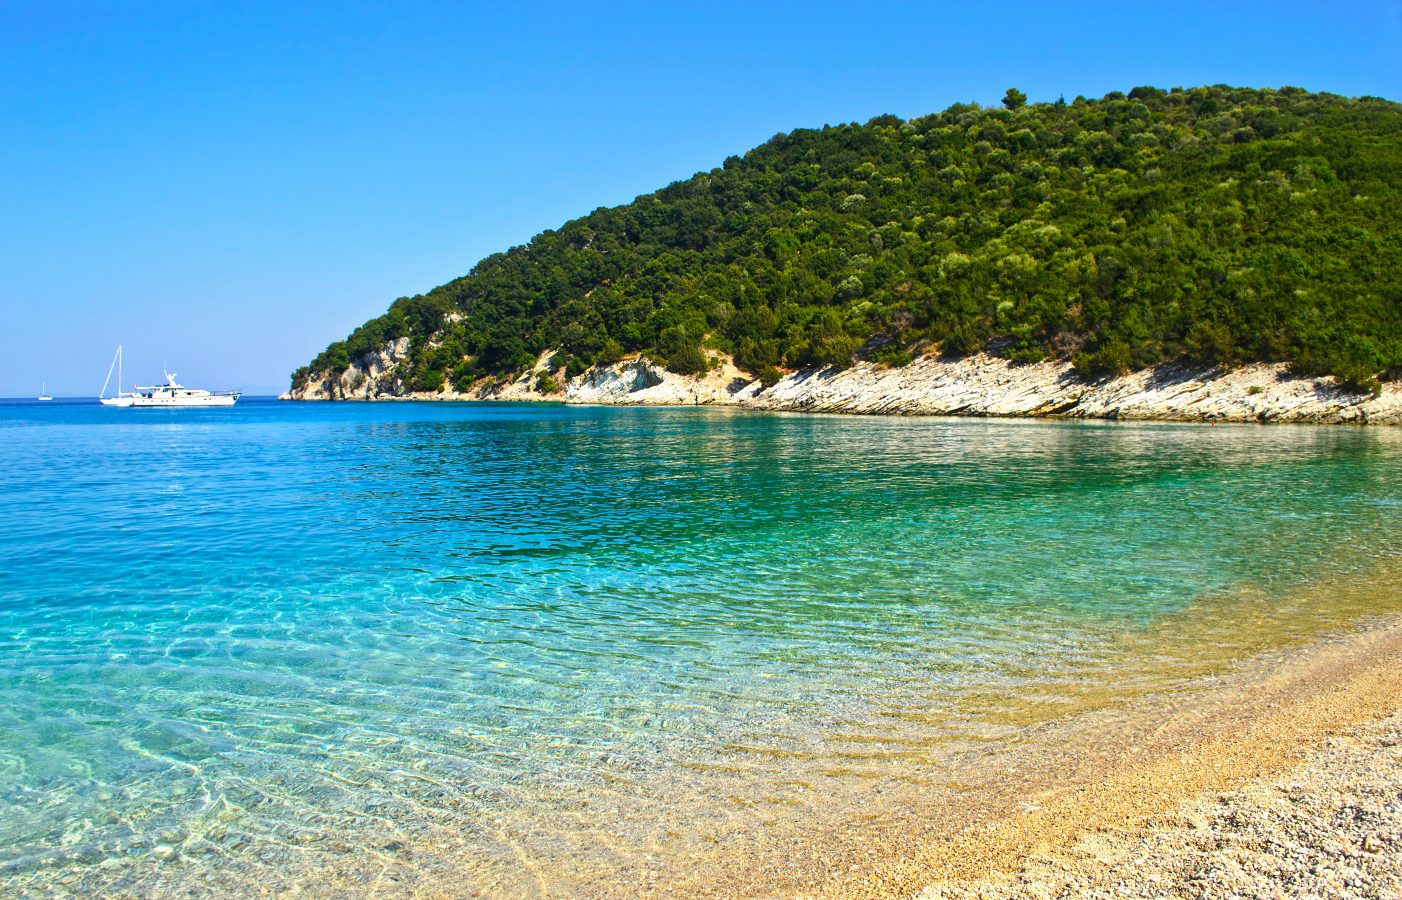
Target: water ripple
point(247, 641)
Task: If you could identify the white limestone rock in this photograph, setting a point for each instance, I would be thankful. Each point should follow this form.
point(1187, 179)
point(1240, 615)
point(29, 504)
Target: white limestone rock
point(978, 385)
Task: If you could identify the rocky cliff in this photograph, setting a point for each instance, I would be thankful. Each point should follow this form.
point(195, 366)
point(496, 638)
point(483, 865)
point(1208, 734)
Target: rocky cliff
point(978, 385)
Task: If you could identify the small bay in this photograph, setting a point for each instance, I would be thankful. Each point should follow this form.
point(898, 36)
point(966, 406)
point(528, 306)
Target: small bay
point(241, 647)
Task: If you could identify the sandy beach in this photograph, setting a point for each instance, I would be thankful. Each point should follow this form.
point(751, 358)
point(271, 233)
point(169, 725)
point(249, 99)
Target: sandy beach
point(1329, 827)
point(1277, 775)
point(1290, 786)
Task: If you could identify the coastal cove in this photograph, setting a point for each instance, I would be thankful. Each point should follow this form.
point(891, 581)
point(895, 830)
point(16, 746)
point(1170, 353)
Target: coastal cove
point(555, 649)
point(660, 451)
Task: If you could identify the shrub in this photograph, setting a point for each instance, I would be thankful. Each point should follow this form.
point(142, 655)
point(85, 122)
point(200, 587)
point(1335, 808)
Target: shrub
point(1358, 380)
point(426, 381)
point(687, 361)
point(1111, 359)
point(769, 376)
point(960, 343)
point(892, 355)
point(1211, 343)
point(610, 353)
point(682, 351)
point(465, 374)
point(1027, 354)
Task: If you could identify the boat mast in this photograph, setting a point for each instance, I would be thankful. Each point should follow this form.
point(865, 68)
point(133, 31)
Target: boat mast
point(117, 364)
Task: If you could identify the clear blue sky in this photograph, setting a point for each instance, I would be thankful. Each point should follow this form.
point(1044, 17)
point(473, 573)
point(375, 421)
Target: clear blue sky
point(230, 186)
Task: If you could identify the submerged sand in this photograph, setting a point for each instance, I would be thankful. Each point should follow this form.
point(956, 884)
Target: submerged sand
point(1225, 782)
point(1282, 777)
point(1262, 706)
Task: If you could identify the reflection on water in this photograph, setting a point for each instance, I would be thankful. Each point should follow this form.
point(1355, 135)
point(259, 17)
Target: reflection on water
point(237, 646)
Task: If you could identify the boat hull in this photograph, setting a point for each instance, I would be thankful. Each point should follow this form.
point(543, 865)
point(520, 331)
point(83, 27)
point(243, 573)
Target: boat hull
point(159, 402)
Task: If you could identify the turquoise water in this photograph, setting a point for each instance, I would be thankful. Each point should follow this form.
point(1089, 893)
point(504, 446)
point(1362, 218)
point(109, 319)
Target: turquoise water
point(241, 647)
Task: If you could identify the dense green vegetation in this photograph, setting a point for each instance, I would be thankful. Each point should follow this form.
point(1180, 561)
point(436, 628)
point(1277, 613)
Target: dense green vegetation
point(1216, 224)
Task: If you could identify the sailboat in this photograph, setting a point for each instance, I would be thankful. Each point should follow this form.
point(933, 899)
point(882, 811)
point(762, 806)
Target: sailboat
point(44, 391)
point(121, 399)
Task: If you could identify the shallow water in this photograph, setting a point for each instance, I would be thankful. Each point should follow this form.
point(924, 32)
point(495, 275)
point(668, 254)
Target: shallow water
point(533, 645)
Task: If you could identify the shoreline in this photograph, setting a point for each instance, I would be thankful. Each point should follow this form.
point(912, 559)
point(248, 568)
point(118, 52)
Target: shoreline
point(1082, 805)
point(1329, 826)
point(978, 386)
point(1127, 774)
point(1277, 731)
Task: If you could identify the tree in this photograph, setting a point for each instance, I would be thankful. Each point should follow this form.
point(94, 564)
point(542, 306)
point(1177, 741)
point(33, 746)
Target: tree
point(683, 352)
point(1218, 224)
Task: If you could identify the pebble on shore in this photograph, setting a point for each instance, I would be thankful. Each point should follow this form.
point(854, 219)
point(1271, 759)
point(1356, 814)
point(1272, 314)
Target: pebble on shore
point(1330, 828)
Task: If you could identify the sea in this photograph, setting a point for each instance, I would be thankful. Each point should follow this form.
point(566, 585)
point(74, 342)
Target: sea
point(537, 649)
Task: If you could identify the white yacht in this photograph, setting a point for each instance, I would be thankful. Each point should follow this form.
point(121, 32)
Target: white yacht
point(174, 394)
point(44, 391)
point(170, 394)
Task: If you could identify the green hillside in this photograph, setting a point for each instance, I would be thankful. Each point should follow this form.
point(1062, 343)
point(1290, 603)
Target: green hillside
point(1217, 224)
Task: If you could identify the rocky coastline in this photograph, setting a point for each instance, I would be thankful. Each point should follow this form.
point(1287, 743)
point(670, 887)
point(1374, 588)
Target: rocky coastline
point(980, 385)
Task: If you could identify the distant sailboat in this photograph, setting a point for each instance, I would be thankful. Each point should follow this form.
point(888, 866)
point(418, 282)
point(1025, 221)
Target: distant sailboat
point(44, 391)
